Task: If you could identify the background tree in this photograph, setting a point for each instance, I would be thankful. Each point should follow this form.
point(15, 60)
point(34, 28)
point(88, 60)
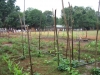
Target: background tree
point(49, 18)
point(12, 20)
point(9, 16)
point(33, 17)
point(83, 17)
point(3, 12)
point(8, 13)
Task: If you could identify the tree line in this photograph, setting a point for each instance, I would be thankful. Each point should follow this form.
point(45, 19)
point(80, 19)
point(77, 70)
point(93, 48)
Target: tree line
point(85, 18)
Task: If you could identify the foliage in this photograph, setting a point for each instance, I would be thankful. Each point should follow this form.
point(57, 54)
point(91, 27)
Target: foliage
point(5, 49)
point(65, 66)
point(8, 13)
point(33, 18)
point(82, 17)
point(9, 16)
point(49, 18)
point(65, 63)
point(14, 68)
point(91, 45)
point(73, 71)
point(95, 71)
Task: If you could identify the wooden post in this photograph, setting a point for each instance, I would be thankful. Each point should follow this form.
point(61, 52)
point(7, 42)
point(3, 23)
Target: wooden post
point(39, 40)
point(67, 28)
point(31, 71)
point(86, 33)
point(22, 34)
point(39, 35)
point(96, 45)
point(54, 28)
point(79, 51)
point(69, 44)
point(72, 30)
point(57, 39)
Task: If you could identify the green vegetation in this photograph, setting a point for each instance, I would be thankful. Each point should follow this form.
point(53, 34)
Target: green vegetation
point(16, 55)
point(9, 16)
point(95, 71)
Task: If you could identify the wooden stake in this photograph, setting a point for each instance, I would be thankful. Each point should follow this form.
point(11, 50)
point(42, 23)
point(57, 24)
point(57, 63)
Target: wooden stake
point(31, 71)
point(79, 51)
point(97, 36)
point(72, 30)
point(39, 35)
point(54, 28)
point(86, 33)
point(67, 28)
point(57, 39)
point(69, 44)
point(22, 34)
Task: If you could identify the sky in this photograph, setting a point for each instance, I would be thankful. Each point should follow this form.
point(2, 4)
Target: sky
point(44, 5)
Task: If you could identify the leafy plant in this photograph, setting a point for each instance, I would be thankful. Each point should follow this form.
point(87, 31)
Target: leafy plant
point(13, 68)
point(95, 71)
point(17, 70)
point(65, 63)
point(91, 45)
point(87, 58)
point(73, 71)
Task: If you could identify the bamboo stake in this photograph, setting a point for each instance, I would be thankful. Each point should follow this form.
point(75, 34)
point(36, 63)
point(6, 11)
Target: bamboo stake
point(31, 71)
point(48, 33)
point(69, 43)
point(57, 39)
point(86, 33)
point(79, 51)
point(72, 30)
point(97, 36)
point(39, 35)
point(39, 40)
point(24, 20)
point(54, 27)
point(22, 34)
point(8, 35)
point(67, 28)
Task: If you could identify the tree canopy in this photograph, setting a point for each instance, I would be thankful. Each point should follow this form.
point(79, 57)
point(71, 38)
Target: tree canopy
point(82, 17)
point(34, 17)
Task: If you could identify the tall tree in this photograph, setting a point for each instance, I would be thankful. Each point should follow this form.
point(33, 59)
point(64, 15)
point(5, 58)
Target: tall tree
point(33, 17)
point(49, 18)
point(83, 17)
point(3, 12)
point(7, 8)
point(13, 18)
